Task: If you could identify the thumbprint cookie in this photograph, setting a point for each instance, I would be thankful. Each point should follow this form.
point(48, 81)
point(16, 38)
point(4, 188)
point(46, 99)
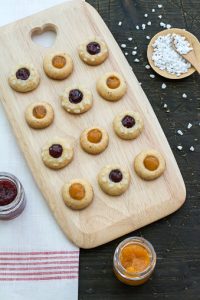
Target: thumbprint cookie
point(94, 140)
point(76, 99)
point(114, 180)
point(58, 65)
point(93, 51)
point(128, 125)
point(39, 115)
point(24, 78)
point(149, 164)
point(111, 86)
point(57, 153)
point(77, 194)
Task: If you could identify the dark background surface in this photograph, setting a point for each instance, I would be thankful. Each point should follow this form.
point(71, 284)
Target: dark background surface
point(176, 238)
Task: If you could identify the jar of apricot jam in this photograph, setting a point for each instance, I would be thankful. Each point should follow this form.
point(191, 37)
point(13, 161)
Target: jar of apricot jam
point(134, 261)
point(12, 197)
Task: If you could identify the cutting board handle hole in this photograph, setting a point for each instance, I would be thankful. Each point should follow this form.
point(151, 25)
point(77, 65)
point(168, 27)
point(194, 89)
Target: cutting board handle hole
point(45, 35)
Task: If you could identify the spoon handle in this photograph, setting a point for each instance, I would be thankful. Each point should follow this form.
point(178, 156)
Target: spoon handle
point(191, 57)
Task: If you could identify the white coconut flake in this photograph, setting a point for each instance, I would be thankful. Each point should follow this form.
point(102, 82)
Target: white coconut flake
point(180, 147)
point(179, 132)
point(143, 26)
point(165, 105)
point(147, 67)
point(120, 23)
point(136, 60)
point(148, 37)
point(168, 26)
point(160, 16)
point(135, 48)
point(152, 75)
point(149, 23)
point(137, 27)
point(163, 86)
point(184, 95)
point(189, 125)
point(145, 15)
point(182, 45)
point(166, 58)
point(134, 52)
point(192, 148)
point(130, 39)
point(123, 45)
point(153, 10)
point(162, 24)
point(126, 53)
point(160, 6)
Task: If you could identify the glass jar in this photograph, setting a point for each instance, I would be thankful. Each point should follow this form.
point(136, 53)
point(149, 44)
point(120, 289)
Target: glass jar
point(135, 278)
point(12, 197)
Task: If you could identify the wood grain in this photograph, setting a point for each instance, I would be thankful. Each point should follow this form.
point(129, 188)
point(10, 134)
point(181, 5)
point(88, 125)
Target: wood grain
point(107, 218)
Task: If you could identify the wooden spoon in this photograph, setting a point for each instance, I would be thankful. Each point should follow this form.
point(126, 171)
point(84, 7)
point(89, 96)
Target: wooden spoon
point(190, 57)
point(190, 37)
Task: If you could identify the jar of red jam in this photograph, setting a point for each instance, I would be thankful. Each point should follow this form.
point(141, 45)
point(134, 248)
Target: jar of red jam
point(12, 196)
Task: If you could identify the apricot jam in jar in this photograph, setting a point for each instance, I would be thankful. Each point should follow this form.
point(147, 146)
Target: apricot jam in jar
point(12, 196)
point(134, 261)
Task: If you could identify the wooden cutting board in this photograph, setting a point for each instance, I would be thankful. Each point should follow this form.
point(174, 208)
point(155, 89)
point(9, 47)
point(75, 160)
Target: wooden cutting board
point(107, 217)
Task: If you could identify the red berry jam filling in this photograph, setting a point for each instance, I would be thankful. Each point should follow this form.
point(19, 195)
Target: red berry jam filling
point(128, 121)
point(23, 74)
point(56, 150)
point(115, 175)
point(93, 48)
point(75, 96)
point(8, 192)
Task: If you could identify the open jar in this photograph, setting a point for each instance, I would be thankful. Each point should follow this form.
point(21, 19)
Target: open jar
point(134, 261)
point(12, 196)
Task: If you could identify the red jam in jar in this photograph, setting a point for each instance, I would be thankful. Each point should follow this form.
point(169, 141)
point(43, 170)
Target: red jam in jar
point(12, 197)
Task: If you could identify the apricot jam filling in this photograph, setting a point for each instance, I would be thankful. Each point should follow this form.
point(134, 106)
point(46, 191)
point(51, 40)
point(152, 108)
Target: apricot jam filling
point(134, 258)
point(94, 136)
point(151, 163)
point(77, 191)
point(113, 82)
point(59, 62)
point(39, 112)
